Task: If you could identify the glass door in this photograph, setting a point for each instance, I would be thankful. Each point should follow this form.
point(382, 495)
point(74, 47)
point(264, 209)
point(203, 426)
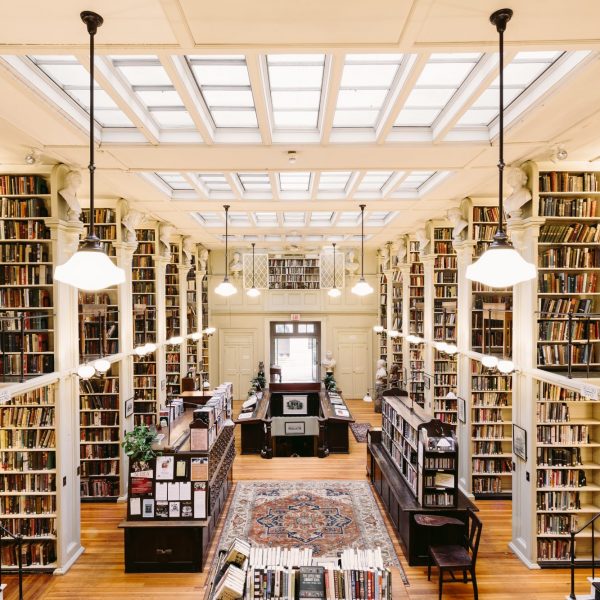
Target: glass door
point(295, 350)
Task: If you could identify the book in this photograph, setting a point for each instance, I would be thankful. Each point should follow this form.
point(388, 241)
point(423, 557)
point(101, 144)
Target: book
point(311, 583)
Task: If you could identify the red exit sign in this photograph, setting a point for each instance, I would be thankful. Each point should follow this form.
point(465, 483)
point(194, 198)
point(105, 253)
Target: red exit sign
point(295, 316)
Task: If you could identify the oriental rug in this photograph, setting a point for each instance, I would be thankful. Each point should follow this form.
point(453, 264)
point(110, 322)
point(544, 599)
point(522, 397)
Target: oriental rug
point(326, 516)
point(359, 430)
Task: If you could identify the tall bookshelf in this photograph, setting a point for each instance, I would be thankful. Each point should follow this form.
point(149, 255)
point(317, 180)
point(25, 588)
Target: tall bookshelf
point(491, 435)
point(99, 311)
point(192, 317)
point(293, 272)
point(445, 286)
point(416, 324)
point(100, 437)
point(143, 276)
point(205, 364)
point(397, 316)
point(567, 478)
point(568, 263)
point(383, 314)
point(26, 286)
point(28, 474)
point(173, 322)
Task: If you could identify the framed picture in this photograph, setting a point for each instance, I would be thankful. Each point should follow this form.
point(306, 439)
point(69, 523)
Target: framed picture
point(461, 410)
point(427, 380)
point(128, 407)
point(294, 428)
point(520, 442)
point(295, 405)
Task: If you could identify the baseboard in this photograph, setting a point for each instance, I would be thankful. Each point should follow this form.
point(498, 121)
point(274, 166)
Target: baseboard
point(529, 564)
point(62, 570)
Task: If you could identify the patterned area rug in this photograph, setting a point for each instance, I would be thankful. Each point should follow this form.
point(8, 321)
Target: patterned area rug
point(360, 431)
point(326, 516)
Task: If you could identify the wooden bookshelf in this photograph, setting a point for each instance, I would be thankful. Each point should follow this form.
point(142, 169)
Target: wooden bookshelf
point(26, 284)
point(293, 272)
point(173, 322)
point(416, 324)
point(383, 315)
point(192, 318)
point(397, 316)
point(205, 364)
point(567, 478)
point(28, 474)
point(491, 432)
point(569, 264)
point(100, 437)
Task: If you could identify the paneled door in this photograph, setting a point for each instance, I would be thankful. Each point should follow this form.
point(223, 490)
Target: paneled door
point(353, 361)
point(237, 360)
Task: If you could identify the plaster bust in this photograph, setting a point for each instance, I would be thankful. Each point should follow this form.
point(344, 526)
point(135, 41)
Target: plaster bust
point(399, 249)
point(381, 373)
point(458, 223)
point(188, 251)
point(352, 266)
point(423, 239)
point(69, 194)
point(328, 362)
point(517, 180)
point(203, 260)
point(164, 235)
point(384, 257)
point(235, 266)
point(131, 220)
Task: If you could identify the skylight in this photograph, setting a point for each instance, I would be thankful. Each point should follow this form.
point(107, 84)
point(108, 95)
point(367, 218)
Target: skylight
point(214, 182)
point(366, 83)
point(295, 82)
point(176, 181)
point(414, 180)
point(210, 219)
point(348, 219)
point(225, 85)
point(239, 219)
point(294, 181)
point(334, 181)
point(266, 219)
point(255, 182)
point(519, 74)
point(441, 77)
point(294, 219)
point(373, 181)
point(377, 218)
point(321, 218)
point(74, 79)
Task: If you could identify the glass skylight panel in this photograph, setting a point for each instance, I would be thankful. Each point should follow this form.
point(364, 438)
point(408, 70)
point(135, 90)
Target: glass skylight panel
point(321, 218)
point(519, 74)
point(314, 238)
point(415, 180)
point(373, 181)
point(272, 238)
point(334, 181)
point(175, 181)
point(440, 79)
point(265, 219)
point(293, 218)
point(239, 219)
point(255, 182)
point(295, 82)
point(294, 181)
point(377, 218)
point(348, 218)
point(335, 238)
point(210, 219)
point(365, 85)
point(74, 79)
point(225, 86)
point(214, 182)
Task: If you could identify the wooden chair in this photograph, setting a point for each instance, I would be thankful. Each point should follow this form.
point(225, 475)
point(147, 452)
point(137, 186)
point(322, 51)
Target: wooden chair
point(458, 558)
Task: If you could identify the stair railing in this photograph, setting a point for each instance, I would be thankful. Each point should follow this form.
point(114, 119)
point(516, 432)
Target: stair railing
point(574, 532)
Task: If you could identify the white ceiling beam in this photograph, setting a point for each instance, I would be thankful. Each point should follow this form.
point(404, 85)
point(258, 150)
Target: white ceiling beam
point(314, 184)
point(393, 182)
point(178, 22)
point(274, 185)
point(354, 183)
point(257, 72)
point(197, 185)
point(123, 96)
point(183, 80)
point(333, 80)
point(411, 69)
point(235, 185)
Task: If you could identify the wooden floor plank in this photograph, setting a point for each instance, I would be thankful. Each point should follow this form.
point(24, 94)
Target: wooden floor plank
point(99, 574)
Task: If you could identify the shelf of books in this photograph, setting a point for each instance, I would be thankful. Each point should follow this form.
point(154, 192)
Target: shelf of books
point(192, 318)
point(383, 310)
point(26, 286)
point(173, 322)
point(28, 493)
point(568, 476)
point(416, 315)
point(99, 311)
point(100, 437)
point(445, 286)
point(144, 308)
point(491, 320)
point(568, 263)
point(293, 272)
point(491, 423)
point(397, 325)
point(204, 365)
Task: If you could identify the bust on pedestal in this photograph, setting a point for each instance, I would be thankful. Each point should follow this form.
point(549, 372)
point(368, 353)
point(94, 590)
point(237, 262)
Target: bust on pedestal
point(380, 383)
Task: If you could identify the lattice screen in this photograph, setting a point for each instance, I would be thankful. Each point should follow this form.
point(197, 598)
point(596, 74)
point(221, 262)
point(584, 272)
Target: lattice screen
point(261, 271)
point(326, 260)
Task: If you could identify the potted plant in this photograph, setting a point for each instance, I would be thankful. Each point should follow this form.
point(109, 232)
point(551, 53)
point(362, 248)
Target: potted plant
point(137, 443)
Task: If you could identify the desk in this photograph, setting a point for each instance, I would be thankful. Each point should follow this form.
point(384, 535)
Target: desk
point(197, 397)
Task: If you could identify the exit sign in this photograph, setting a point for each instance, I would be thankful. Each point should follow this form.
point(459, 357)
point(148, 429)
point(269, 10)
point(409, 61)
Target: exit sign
point(295, 317)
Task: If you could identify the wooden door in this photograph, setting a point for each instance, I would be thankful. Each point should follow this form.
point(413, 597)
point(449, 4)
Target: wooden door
point(237, 361)
point(353, 362)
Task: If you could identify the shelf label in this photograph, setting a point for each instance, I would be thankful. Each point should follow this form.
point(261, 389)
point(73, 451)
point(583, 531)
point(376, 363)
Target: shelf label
point(589, 391)
point(4, 396)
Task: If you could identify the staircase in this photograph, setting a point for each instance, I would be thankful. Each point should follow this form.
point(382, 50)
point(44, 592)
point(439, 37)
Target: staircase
point(593, 580)
point(594, 591)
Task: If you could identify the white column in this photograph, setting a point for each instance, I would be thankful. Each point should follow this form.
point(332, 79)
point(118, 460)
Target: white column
point(161, 331)
point(183, 273)
point(428, 353)
point(405, 323)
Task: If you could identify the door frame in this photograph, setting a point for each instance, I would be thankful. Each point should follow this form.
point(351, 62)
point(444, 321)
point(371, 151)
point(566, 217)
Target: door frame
point(339, 331)
point(224, 334)
point(316, 335)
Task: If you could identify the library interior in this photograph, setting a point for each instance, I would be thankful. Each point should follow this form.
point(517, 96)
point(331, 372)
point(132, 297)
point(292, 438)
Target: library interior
point(300, 300)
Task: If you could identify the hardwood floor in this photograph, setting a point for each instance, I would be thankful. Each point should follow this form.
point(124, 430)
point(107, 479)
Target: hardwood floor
point(99, 575)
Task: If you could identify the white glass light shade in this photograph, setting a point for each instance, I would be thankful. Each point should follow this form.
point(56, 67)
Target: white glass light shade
point(209, 330)
point(393, 333)
point(378, 328)
point(362, 288)
point(141, 350)
point(196, 335)
point(506, 366)
point(150, 347)
point(490, 362)
point(334, 293)
point(226, 288)
point(451, 349)
point(206, 385)
point(86, 371)
point(500, 267)
point(175, 340)
point(253, 292)
point(450, 396)
point(101, 365)
point(89, 270)
point(367, 398)
point(439, 346)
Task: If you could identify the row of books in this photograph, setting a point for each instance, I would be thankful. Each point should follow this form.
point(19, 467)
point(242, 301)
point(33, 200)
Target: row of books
point(570, 257)
point(564, 306)
point(90, 434)
point(27, 482)
point(16, 505)
point(492, 431)
point(99, 468)
point(27, 438)
point(38, 460)
point(31, 527)
point(496, 383)
point(102, 216)
point(560, 478)
point(492, 465)
point(89, 451)
point(576, 232)
point(568, 182)
point(26, 274)
point(21, 416)
point(33, 364)
point(26, 298)
point(571, 434)
point(563, 283)
point(555, 355)
point(556, 524)
point(558, 331)
point(32, 342)
point(24, 230)
point(99, 418)
point(557, 412)
point(32, 554)
point(94, 402)
point(25, 252)
point(23, 184)
point(99, 488)
point(489, 398)
point(559, 457)
point(567, 207)
point(487, 485)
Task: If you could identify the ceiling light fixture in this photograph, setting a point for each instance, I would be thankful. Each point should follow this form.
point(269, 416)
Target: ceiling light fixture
point(378, 328)
point(334, 292)
point(175, 340)
point(501, 265)
point(362, 287)
point(86, 371)
point(101, 365)
point(561, 153)
point(196, 336)
point(90, 268)
point(226, 288)
point(32, 157)
point(292, 156)
point(209, 330)
point(489, 362)
point(506, 366)
point(253, 292)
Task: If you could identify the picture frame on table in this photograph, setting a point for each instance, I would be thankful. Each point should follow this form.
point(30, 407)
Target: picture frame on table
point(520, 442)
point(128, 407)
point(462, 410)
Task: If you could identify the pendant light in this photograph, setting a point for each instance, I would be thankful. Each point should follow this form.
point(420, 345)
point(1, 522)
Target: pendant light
point(334, 292)
point(253, 292)
point(90, 268)
point(501, 265)
point(226, 288)
point(362, 287)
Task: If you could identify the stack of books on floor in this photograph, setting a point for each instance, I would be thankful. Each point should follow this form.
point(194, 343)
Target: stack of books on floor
point(244, 572)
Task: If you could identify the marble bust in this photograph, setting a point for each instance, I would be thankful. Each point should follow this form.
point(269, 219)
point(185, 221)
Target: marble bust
point(458, 223)
point(352, 265)
point(235, 266)
point(73, 181)
point(423, 239)
point(517, 180)
point(380, 373)
point(328, 362)
point(400, 251)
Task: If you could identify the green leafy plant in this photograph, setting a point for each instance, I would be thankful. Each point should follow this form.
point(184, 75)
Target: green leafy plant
point(329, 382)
point(137, 443)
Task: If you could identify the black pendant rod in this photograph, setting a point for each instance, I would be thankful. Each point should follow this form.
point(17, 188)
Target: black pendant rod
point(362, 241)
point(253, 244)
point(92, 21)
point(334, 285)
point(226, 207)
